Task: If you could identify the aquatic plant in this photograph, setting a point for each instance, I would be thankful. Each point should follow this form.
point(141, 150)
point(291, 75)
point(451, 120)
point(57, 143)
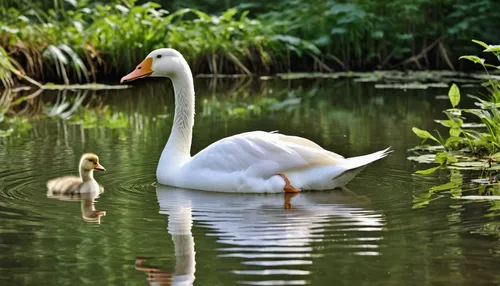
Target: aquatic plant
point(469, 154)
point(469, 146)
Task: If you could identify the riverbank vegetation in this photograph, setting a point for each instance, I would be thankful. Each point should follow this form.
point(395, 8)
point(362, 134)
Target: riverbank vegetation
point(468, 140)
point(68, 41)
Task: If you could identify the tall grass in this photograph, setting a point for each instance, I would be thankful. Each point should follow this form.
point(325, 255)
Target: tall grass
point(81, 41)
point(97, 40)
point(6, 69)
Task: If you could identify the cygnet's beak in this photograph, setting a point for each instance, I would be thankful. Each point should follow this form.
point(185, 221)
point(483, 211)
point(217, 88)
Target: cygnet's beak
point(99, 167)
point(144, 69)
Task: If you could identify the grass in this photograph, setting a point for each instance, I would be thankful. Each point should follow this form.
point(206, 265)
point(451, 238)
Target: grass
point(83, 41)
point(99, 40)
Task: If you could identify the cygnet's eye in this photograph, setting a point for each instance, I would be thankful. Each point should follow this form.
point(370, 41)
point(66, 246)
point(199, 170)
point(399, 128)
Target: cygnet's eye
point(90, 160)
point(158, 56)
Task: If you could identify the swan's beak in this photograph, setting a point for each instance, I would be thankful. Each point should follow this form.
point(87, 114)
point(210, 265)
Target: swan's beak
point(99, 167)
point(144, 69)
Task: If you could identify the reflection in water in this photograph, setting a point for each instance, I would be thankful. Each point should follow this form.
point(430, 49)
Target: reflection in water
point(180, 222)
point(269, 240)
point(41, 244)
point(156, 276)
point(89, 213)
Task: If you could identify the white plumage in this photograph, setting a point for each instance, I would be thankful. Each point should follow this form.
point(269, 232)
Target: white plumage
point(247, 162)
point(250, 162)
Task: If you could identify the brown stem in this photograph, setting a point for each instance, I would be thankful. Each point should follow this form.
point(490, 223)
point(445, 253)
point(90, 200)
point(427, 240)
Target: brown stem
point(420, 55)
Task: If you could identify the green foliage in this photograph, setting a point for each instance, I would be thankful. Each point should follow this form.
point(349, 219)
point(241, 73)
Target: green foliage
point(82, 40)
point(425, 135)
point(93, 39)
point(454, 95)
point(382, 33)
point(6, 69)
point(476, 143)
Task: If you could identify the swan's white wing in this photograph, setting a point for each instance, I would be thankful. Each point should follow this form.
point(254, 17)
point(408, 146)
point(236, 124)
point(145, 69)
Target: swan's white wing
point(263, 154)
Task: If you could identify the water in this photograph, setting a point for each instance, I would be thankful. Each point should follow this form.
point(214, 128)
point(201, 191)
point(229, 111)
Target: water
point(370, 234)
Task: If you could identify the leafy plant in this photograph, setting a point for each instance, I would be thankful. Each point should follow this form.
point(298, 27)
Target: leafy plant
point(94, 39)
point(481, 142)
point(68, 41)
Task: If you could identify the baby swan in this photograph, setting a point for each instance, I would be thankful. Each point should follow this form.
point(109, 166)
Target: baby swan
point(78, 185)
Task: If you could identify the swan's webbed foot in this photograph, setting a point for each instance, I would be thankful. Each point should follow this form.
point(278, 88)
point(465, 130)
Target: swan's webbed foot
point(288, 188)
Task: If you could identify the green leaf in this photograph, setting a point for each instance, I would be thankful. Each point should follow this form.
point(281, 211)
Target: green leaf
point(496, 156)
point(455, 132)
point(474, 59)
point(441, 158)
point(338, 31)
point(6, 133)
point(454, 95)
point(78, 64)
point(446, 123)
point(444, 187)
point(378, 35)
point(424, 134)
point(493, 48)
point(452, 159)
point(481, 43)
point(56, 54)
point(287, 39)
point(122, 8)
point(427, 171)
point(445, 158)
point(72, 2)
point(452, 140)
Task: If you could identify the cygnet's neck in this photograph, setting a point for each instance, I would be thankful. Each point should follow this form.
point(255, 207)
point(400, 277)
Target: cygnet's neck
point(86, 175)
point(178, 148)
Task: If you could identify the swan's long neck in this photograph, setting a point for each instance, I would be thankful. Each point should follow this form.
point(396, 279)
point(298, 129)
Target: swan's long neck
point(178, 148)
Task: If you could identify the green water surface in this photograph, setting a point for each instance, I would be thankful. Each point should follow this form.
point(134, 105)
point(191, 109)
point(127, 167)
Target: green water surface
point(371, 234)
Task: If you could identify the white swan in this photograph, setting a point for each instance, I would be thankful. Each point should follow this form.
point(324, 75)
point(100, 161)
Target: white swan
point(258, 161)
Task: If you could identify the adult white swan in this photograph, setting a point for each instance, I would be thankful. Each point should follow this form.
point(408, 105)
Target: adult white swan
point(256, 161)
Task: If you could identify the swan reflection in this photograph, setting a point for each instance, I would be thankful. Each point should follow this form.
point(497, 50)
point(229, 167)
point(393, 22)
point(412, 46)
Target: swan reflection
point(264, 236)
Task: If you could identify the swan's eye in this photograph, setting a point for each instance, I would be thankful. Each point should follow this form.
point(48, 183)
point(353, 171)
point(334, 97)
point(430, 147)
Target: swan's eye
point(158, 56)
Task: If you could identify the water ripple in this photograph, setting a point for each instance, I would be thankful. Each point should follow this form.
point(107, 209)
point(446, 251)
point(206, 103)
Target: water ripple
point(274, 282)
point(272, 272)
point(262, 236)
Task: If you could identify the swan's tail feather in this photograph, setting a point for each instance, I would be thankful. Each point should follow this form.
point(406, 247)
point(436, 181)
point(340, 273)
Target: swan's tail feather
point(361, 161)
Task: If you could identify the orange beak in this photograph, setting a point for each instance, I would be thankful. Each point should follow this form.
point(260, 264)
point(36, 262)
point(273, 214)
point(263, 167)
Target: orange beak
point(144, 69)
point(99, 167)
